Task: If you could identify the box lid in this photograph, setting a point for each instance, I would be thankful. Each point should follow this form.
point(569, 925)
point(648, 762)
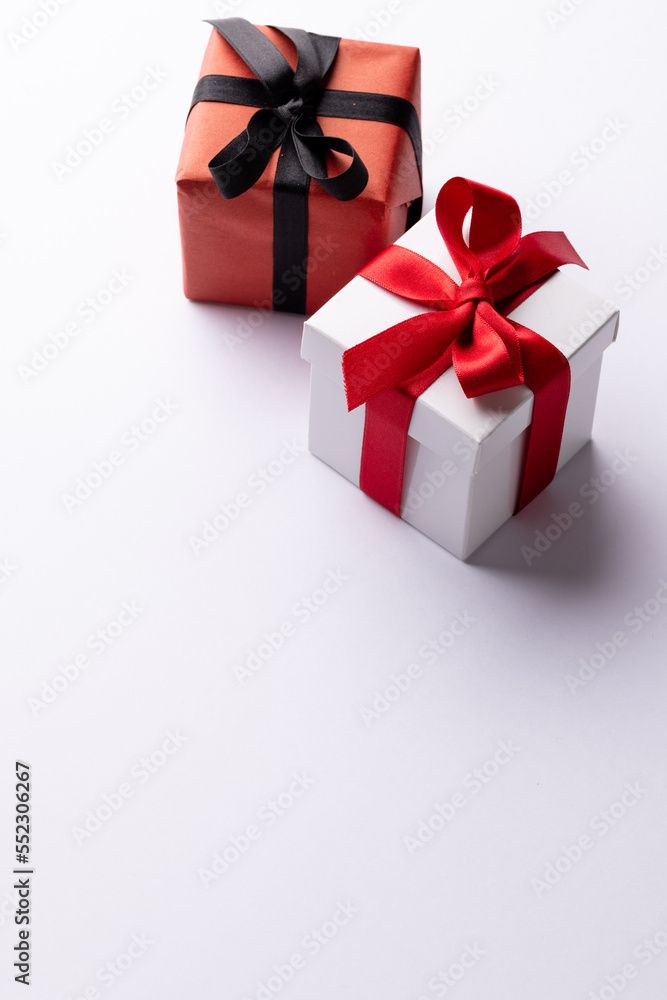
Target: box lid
point(576, 320)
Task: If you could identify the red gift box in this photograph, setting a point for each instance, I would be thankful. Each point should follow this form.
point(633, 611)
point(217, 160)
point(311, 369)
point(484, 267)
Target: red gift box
point(229, 242)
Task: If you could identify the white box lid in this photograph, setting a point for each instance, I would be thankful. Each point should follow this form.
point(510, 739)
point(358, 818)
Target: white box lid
point(487, 424)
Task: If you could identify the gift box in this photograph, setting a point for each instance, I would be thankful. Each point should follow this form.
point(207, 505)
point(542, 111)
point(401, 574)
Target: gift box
point(453, 398)
point(301, 160)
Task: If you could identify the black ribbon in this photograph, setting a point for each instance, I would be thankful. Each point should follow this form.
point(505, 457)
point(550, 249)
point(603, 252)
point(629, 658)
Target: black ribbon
point(290, 102)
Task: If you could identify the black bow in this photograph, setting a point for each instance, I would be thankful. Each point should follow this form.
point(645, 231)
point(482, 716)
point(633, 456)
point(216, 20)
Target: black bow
point(289, 103)
point(288, 118)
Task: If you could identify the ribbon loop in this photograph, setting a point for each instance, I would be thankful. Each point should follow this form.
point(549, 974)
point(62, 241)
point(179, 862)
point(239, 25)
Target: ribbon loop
point(499, 270)
point(243, 160)
point(495, 225)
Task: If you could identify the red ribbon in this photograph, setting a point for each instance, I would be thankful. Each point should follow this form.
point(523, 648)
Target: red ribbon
point(467, 327)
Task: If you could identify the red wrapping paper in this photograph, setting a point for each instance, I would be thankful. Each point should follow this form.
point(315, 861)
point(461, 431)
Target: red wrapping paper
point(228, 244)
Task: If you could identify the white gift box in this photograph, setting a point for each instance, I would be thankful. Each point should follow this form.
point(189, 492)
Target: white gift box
point(464, 457)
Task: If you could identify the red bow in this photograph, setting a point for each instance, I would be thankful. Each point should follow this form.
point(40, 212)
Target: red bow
point(467, 328)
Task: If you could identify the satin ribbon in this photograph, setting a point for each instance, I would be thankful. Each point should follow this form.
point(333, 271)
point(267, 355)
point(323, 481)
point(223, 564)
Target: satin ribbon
point(468, 328)
point(290, 102)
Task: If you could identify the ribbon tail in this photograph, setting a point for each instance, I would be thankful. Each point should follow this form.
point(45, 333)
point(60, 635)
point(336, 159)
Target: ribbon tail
point(410, 275)
point(536, 258)
point(547, 374)
point(411, 350)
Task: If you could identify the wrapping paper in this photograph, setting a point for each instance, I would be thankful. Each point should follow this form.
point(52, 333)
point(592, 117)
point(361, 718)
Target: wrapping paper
point(228, 244)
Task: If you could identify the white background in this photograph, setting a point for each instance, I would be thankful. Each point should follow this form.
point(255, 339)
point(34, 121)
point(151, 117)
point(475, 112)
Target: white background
point(480, 882)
